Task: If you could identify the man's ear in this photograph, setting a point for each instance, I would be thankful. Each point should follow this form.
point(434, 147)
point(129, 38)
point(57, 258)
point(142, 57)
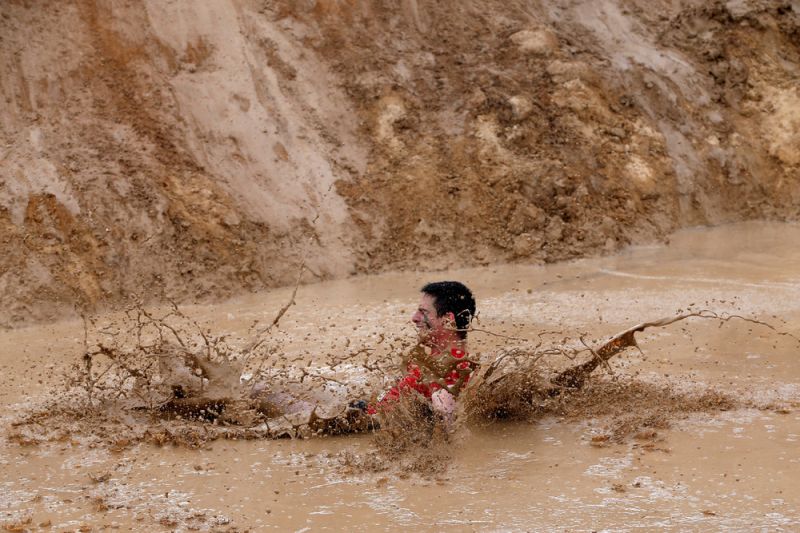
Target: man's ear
point(450, 317)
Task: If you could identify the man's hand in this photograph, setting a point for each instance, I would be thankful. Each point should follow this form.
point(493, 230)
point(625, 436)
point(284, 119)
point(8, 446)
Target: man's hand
point(444, 404)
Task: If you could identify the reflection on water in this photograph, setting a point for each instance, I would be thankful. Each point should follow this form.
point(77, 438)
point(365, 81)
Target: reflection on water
point(731, 469)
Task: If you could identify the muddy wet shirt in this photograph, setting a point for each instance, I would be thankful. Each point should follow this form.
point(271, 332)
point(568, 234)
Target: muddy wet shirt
point(413, 381)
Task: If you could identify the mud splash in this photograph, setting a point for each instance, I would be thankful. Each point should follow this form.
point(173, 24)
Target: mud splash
point(163, 379)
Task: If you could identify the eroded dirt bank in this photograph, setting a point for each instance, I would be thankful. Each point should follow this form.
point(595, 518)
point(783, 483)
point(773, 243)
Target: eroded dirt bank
point(193, 151)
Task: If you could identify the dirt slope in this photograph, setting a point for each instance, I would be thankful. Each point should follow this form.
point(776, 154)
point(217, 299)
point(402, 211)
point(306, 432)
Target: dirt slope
point(195, 150)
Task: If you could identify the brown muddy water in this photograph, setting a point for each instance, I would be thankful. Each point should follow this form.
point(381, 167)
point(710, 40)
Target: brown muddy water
point(731, 468)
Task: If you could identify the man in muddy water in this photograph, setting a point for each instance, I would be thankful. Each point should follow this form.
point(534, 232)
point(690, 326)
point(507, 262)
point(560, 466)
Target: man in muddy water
point(438, 367)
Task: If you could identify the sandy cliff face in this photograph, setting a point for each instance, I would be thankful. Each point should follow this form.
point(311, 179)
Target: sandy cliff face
point(155, 148)
point(191, 150)
point(555, 129)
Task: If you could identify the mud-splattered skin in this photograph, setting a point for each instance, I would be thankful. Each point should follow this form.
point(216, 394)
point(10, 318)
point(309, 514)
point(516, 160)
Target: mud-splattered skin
point(698, 431)
point(430, 326)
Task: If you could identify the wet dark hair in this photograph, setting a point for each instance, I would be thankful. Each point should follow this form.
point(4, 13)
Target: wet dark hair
point(453, 297)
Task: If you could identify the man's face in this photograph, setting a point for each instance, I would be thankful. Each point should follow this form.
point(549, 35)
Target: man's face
point(432, 329)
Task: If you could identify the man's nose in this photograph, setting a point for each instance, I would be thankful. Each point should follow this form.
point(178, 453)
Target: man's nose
point(416, 318)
